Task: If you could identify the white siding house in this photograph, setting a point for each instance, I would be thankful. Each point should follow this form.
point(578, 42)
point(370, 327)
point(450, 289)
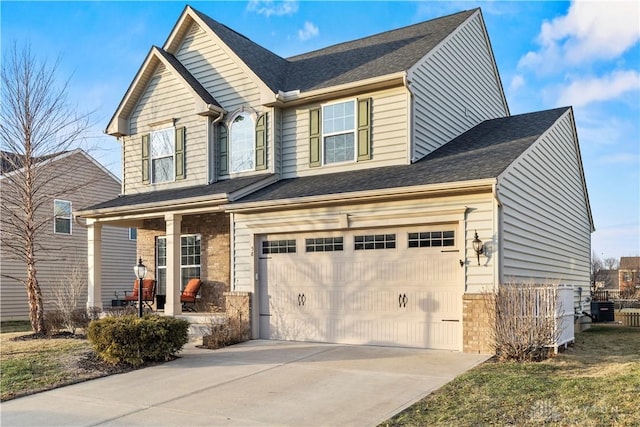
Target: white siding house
point(342, 189)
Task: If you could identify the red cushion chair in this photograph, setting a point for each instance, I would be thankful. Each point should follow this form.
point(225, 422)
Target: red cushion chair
point(148, 292)
point(189, 294)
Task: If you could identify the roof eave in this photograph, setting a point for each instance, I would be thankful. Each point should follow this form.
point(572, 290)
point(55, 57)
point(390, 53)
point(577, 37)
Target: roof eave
point(292, 98)
point(388, 194)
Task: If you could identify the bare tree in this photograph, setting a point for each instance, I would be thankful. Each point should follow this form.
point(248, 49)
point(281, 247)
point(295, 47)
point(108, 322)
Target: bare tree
point(610, 263)
point(37, 123)
point(597, 272)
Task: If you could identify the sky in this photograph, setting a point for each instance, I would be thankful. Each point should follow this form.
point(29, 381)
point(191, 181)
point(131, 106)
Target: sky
point(584, 54)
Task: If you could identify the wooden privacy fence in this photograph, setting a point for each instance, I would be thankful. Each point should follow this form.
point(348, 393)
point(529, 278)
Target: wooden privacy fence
point(628, 318)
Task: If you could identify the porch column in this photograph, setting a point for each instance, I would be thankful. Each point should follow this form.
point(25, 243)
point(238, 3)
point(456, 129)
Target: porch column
point(94, 263)
point(173, 225)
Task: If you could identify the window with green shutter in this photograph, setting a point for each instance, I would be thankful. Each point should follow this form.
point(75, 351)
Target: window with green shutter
point(314, 138)
point(261, 142)
point(145, 159)
point(180, 153)
point(223, 150)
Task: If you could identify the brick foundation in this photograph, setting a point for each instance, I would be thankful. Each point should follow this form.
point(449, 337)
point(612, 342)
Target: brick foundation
point(476, 324)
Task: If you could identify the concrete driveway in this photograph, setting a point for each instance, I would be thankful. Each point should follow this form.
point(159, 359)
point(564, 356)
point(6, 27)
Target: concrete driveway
point(258, 383)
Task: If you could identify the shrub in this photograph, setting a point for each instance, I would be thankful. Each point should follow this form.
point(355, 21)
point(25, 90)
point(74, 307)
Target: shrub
point(135, 341)
point(232, 331)
point(524, 321)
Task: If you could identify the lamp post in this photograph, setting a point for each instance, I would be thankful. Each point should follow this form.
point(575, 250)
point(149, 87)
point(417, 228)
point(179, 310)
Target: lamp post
point(140, 271)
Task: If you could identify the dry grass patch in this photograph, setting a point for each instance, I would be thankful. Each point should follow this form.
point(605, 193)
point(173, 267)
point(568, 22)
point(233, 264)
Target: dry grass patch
point(596, 382)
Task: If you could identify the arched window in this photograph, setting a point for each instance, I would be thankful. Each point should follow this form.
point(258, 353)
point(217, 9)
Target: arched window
point(242, 143)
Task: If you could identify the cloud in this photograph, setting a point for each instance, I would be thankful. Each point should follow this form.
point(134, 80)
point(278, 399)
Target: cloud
point(516, 83)
point(597, 89)
point(620, 159)
point(589, 32)
point(271, 7)
point(308, 31)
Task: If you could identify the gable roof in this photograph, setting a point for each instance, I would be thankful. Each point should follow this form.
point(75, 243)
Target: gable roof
point(482, 152)
point(377, 55)
point(10, 161)
point(157, 55)
point(629, 263)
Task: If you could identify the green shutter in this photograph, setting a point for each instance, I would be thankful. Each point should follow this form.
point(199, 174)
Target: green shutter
point(145, 159)
point(364, 129)
point(314, 138)
point(180, 134)
point(223, 150)
point(261, 142)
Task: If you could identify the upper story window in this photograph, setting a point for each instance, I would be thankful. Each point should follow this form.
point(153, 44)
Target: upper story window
point(162, 145)
point(133, 233)
point(62, 217)
point(338, 132)
point(242, 143)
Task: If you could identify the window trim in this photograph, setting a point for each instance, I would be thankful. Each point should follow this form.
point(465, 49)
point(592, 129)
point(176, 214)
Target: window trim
point(56, 217)
point(230, 149)
point(182, 267)
point(131, 231)
point(324, 134)
point(152, 174)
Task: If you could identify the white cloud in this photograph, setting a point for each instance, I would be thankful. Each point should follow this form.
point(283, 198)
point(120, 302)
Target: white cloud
point(597, 89)
point(620, 159)
point(589, 32)
point(516, 82)
point(271, 7)
point(308, 31)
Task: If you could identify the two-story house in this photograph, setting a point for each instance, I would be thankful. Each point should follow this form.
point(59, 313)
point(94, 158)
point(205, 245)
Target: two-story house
point(62, 182)
point(345, 189)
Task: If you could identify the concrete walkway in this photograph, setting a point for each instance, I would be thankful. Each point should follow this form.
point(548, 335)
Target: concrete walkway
point(258, 383)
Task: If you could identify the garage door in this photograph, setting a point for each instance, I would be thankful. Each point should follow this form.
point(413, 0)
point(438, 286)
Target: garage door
point(396, 287)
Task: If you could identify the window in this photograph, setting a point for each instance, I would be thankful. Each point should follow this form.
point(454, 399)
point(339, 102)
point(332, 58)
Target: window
point(338, 132)
point(324, 244)
point(375, 241)
point(430, 239)
point(278, 247)
point(189, 261)
point(133, 233)
point(162, 144)
point(242, 143)
point(62, 217)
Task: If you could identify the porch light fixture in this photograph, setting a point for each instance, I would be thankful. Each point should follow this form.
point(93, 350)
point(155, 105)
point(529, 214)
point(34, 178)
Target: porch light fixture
point(478, 246)
point(140, 271)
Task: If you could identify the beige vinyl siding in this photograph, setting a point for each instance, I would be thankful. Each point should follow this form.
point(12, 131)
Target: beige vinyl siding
point(454, 88)
point(216, 71)
point(546, 226)
point(164, 99)
point(81, 181)
point(479, 216)
point(480, 219)
point(389, 137)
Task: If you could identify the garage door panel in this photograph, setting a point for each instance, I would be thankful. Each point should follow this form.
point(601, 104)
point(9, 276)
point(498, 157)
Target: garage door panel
point(400, 296)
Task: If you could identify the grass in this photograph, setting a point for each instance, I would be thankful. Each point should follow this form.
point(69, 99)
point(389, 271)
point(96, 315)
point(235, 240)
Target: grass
point(32, 365)
point(596, 382)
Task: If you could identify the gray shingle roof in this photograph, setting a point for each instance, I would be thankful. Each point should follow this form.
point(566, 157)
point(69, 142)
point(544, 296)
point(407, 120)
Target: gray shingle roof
point(484, 151)
point(220, 187)
point(188, 77)
point(377, 55)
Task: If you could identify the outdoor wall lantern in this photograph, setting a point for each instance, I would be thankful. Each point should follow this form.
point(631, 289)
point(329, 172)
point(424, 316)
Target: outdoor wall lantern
point(140, 271)
point(478, 246)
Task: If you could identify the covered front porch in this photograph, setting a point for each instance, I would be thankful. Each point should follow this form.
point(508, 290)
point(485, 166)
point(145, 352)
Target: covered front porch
point(174, 247)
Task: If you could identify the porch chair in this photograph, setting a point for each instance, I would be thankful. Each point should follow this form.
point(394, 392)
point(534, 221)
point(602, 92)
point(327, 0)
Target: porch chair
point(188, 295)
point(148, 293)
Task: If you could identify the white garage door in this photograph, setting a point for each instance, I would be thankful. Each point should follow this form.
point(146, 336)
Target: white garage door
point(396, 287)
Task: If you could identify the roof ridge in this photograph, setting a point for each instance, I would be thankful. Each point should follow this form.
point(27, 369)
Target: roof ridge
point(406, 27)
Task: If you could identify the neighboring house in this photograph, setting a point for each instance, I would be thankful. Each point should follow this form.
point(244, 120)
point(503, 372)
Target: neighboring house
point(67, 181)
point(607, 280)
point(629, 275)
point(343, 188)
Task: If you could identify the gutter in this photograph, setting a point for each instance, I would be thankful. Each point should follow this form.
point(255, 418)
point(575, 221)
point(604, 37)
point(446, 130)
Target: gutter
point(388, 194)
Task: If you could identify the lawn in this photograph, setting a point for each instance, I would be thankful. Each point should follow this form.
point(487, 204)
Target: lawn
point(595, 382)
point(31, 365)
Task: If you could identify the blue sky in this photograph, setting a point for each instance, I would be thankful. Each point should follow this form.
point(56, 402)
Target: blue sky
point(549, 54)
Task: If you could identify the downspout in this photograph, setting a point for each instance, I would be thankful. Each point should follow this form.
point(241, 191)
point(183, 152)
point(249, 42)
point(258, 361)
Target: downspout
point(410, 117)
point(497, 226)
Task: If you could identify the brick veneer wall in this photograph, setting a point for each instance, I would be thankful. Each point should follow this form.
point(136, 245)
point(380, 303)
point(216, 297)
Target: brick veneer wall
point(238, 306)
point(214, 253)
point(476, 324)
